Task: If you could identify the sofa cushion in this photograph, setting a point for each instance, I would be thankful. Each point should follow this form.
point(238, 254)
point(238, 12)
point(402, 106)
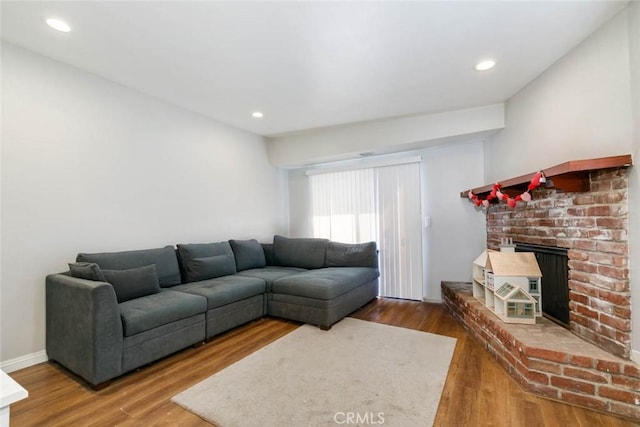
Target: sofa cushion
point(271, 273)
point(248, 254)
point(164, 258)
point(303, 253)
point(224, 290)
point(86, 270)
point(325, 283)
point(133, 283)
point(352, 254)
point(143, 314)
point(211, 267)
point(203, 269)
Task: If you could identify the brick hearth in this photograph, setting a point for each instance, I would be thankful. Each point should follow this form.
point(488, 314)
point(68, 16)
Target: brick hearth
point(593, 227)
point(548, 360)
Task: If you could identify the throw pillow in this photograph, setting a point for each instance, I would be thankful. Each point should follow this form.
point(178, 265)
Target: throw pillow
point(248, 253)
point(211, 267)
point(86, 270)
point(133, 283)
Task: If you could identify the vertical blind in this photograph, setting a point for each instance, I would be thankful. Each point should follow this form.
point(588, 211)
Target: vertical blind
point(380, 204)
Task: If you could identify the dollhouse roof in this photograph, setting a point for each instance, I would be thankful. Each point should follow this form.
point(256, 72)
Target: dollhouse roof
point(508, 292)
point(513, 264)
point(482, 259)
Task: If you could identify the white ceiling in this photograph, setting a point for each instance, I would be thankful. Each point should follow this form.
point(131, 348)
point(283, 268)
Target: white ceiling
point(310, 64)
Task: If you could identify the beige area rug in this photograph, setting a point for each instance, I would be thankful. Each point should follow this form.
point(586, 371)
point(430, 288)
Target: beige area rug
point(357, 373)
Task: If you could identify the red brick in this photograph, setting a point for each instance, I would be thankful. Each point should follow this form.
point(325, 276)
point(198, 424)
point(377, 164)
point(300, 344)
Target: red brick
point(582, 400)
point(620, 324)
point(579, 222)
point(613, 247)
point(585, 244)
point(541, 353)
point(611, 223)
point(615, 272)
point(600, 186)
point(632, 371)
point(618, 394)
point(578, 255)
point(625, 410)
point(578, 276)
point(579, 298)
point(625, 381)
point(586, 311)
point(574, 317)
point(573, 385)
point(602, 210)
point(543, 390)
point(584, 199)
point(541, 365)
point(584, 374)
point(583, 266)
point(610, 197)
point(579, 211)
point(584, 361)
point(622, 312)
point(601, 306)
point(609, 283)
point(608, 366)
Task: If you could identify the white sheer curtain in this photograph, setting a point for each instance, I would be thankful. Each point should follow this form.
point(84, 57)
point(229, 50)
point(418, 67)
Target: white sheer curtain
point(380, 204)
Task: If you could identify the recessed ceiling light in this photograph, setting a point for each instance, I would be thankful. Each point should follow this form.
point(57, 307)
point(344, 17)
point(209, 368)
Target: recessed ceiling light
point(257, 114)
point(485, 65)
point(58, 24)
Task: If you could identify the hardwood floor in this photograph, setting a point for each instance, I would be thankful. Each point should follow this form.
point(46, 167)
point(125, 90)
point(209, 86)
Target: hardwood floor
point(478, 391)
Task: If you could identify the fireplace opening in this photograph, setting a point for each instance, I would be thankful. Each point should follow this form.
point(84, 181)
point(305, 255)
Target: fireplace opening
point(553, 262)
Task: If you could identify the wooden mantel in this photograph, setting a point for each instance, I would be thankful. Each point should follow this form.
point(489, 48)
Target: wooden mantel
point(571, 176)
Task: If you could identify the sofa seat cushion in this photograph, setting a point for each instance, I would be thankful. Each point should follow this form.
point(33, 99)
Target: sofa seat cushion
point(325, 283)
point(271, 273)
point(148, 312)
point(224, 290)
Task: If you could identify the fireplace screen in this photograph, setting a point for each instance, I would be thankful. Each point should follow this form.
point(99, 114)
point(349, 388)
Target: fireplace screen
point(553, 262)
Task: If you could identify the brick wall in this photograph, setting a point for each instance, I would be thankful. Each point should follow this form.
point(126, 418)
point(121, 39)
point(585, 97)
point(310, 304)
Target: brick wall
point(593, 227)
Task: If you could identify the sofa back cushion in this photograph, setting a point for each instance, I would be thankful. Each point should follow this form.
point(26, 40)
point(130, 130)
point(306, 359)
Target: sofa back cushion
point(202, 261)
point(248, 253)
point(352, 254)
point(164, 259)
point(134, 282)
point(304, 253)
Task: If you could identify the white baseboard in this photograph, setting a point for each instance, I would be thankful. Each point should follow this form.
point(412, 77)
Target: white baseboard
point(635, 356)
point(434, 300)
point(24, 361)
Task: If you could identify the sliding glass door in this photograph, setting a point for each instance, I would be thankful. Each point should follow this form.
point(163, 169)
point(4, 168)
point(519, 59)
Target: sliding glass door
point(381, 204)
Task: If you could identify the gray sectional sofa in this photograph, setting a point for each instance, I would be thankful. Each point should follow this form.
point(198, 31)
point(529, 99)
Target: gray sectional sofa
point(114, 312)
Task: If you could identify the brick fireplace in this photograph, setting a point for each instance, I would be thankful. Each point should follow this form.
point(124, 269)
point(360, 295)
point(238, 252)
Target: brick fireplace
point(587, 365)
point(593, 227)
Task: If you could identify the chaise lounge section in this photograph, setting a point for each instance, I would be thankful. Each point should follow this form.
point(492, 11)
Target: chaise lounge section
point(115, 312)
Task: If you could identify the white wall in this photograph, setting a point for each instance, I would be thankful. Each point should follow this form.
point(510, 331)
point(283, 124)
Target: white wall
point(384, 136)
point(89, 165)
point(456, 235)
point(583, 106)
point(578, 108)
point(634, 185)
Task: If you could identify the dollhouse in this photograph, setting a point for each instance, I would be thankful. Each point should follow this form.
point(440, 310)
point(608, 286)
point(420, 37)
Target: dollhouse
point(509, 284)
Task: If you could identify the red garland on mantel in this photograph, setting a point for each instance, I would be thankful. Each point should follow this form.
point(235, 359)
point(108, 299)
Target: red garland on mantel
point(495, 193)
